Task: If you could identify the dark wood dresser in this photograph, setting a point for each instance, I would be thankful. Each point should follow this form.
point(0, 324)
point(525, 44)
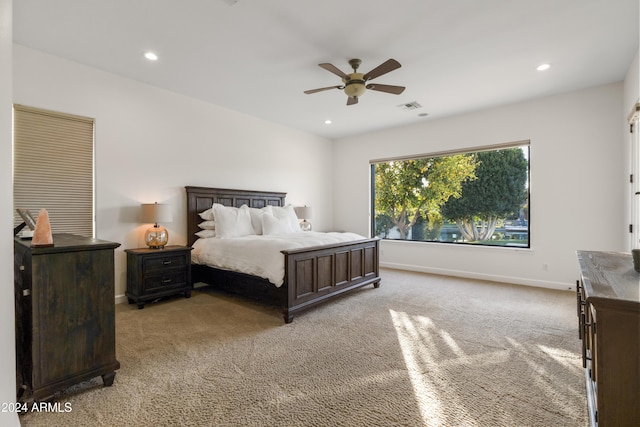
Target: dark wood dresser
point(65, 314)
point(157, 273)
point(608, 303)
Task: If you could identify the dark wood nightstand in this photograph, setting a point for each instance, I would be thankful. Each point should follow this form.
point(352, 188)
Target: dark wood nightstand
point(156, 273)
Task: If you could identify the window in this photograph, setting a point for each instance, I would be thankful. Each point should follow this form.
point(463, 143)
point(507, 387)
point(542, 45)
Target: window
point(476, 197)
point(53, 168)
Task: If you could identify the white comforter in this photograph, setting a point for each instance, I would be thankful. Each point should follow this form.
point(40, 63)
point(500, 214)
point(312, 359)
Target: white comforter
point(260, 255)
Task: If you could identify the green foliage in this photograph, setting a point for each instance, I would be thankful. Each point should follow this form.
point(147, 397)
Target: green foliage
point(406, 190)
point(433, 227)
point(498, 191)
point(383, 225)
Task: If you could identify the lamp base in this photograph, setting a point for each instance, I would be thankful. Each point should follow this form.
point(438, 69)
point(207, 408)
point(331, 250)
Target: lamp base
point(305, 225)
point(156, 237)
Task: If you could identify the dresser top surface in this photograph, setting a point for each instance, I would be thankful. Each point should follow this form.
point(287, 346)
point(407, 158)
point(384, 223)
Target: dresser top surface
point(65, 242)
point(609, 275)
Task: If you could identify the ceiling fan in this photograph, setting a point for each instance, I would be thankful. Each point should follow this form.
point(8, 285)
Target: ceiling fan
point(355, 84)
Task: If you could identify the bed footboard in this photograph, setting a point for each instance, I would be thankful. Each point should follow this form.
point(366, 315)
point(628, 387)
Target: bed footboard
point(314, 275)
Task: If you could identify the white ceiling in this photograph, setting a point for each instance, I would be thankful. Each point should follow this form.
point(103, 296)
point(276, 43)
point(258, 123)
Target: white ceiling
point(258, 56)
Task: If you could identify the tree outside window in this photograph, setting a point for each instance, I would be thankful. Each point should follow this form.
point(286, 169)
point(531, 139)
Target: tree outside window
point(478, 197)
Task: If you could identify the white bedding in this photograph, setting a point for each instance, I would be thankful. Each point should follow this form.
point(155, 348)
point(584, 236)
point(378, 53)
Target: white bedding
point(260, 255)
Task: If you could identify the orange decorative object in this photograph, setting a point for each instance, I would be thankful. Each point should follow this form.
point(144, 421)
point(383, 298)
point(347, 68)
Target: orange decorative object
point(42, 234)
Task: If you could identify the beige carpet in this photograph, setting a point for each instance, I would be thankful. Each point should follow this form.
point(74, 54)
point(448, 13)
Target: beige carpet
point(421, 350)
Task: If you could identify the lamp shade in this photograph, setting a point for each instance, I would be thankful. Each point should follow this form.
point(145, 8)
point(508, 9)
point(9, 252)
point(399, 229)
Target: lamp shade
point(304, 212)
point(153, 213)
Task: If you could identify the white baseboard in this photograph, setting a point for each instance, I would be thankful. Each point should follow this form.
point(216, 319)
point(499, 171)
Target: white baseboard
point(481, 276)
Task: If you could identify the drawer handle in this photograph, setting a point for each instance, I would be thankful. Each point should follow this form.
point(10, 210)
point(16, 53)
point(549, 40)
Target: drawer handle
point(585, 331)
point(166, 281)
point(579, 298)
point(586, 326)
point(166, 262)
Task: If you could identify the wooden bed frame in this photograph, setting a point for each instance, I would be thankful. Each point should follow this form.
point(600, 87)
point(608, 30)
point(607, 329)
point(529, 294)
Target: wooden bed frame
point(312, 275)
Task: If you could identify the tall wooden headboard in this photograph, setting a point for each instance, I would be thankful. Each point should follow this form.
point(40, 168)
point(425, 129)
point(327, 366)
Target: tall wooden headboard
point(200, 199)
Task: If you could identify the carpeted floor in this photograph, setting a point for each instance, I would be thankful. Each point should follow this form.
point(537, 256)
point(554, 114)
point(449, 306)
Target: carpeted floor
point(421, 350)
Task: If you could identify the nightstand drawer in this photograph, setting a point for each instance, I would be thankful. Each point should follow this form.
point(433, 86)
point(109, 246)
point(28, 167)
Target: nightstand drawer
point(151, 264)
point(168, 280)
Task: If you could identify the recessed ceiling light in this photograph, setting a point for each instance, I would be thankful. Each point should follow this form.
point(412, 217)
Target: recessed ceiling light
point(543, 67)
point(327, 122)
point(151, 56)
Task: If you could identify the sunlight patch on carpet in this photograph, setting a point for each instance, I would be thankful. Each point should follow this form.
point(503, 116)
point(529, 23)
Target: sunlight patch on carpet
point(564, 357)
point(420, 364)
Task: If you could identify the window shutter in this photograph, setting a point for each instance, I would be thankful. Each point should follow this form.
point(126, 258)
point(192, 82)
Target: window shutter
point(53, 168)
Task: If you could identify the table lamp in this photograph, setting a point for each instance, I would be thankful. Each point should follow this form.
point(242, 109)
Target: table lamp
point(304, 213)
point(157, 236)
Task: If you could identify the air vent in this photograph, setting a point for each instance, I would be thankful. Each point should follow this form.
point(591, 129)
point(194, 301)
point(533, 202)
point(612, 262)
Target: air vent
point(410, 106)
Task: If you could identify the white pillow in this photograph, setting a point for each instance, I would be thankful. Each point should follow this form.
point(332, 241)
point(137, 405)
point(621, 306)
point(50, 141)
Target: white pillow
point(274, 226)
point(207, 215)
point(232, 222)
point(205, 234)
point(287, 214)
point(207, 225)
point(256, 218)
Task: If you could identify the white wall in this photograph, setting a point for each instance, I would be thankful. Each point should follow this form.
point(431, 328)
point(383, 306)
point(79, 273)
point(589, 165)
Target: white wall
point(632, 85)
point(577, 184)
point(7, 328)
point(150, 143)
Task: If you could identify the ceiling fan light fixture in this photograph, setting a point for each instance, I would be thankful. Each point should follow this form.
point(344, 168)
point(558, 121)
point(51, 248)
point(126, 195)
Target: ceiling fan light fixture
point(354, 85)
point(355, 90)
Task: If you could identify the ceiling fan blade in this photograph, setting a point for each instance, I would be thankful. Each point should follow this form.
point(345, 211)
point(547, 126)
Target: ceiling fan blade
point(352, 100)
point(333, 69)
point(396, 90)
point(381, 69)
point(321, 89)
